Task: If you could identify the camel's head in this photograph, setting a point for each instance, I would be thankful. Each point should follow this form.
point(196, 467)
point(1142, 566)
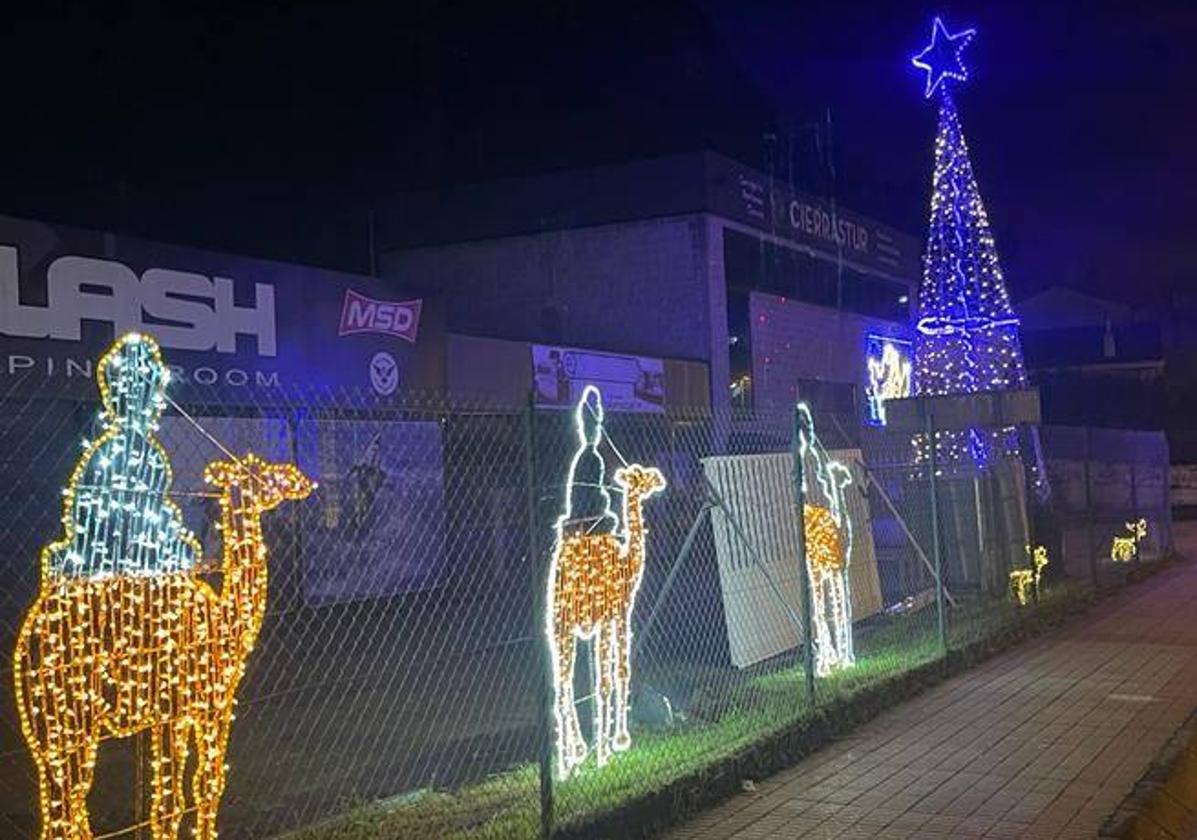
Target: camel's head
point(259, 484)
point(639, 481)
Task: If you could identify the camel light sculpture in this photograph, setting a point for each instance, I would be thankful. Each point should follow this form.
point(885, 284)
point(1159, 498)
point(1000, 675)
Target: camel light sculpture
point(124, 635)
point(593, 578)
point(828, 530)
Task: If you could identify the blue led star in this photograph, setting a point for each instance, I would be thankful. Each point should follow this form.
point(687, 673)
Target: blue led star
point(941, 59)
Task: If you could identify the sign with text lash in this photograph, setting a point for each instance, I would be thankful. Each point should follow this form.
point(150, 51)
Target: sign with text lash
point(238, 329)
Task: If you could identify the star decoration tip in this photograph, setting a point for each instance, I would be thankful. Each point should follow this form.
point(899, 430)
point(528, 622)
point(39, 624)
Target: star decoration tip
point(941, 58)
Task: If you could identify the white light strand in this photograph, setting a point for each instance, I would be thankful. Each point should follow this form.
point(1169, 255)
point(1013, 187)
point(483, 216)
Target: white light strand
point(592, 584)
point(828, 531)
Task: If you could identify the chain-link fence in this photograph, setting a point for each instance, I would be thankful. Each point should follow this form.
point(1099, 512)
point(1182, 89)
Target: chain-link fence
point(402, 684)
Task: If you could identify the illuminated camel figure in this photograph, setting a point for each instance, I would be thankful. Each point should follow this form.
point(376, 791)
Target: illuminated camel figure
point(592, 587)
point(101, 658)
point(828, 532)
point(110, 654)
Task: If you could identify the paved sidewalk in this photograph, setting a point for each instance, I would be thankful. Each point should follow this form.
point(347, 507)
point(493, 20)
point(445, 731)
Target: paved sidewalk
point(1044, 741)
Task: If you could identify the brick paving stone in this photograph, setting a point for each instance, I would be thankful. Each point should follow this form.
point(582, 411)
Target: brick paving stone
point(1042, 741)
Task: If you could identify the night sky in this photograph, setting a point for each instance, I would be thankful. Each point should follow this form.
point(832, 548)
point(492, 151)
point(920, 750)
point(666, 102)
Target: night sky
point(271, 129)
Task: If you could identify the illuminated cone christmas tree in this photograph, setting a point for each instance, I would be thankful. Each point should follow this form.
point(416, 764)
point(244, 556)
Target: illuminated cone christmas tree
point(967, 338)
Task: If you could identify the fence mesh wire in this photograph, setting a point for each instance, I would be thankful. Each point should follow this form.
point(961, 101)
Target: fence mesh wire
point(400, 675)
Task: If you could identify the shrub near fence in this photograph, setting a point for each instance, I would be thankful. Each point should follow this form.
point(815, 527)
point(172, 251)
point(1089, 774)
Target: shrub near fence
point(399, 685)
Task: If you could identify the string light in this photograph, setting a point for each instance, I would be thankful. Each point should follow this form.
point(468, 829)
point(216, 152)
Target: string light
point(131, 639)
point(942, 59)
point(592, 585)
point(116, 518)
point(967, 336)
point(1023, 581)
point(1125, 549)
point(828, 532)
point(888, 364)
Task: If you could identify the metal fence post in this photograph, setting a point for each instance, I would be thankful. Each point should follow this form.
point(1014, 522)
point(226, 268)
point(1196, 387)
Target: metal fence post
point(1089, 505)
point(1135, 505)
point(933, 464)
point(544, 710)
point(808, 646)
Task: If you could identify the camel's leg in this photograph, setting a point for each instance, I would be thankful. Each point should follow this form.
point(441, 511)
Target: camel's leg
point(168, 750)
point(65, 755)
point(65, 784)
point(212, 741)
point(843, 623)
point(571, 746)
point(603, 684)
point(623, 680)
point(824, 650)
point(58, 823)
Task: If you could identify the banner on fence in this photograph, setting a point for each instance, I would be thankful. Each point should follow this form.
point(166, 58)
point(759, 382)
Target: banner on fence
point(191, 450)
point(628, 383)
point(380, 529)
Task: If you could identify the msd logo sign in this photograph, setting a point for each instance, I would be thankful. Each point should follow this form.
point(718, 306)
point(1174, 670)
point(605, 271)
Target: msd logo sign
point(360, 314)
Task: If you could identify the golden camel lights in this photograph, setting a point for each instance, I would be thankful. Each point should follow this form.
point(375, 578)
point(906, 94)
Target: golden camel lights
point(592, 583)
point(124, 636)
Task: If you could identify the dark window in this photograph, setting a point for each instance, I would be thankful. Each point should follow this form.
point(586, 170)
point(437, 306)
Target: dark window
point(751, 264)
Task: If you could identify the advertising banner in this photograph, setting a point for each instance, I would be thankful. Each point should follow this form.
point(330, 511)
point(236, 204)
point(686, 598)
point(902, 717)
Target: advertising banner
point(628, 383)
point(380, 527)
point(234, 329)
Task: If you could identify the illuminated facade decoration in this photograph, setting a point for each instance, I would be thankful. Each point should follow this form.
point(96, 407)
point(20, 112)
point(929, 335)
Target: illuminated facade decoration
point(887, 362)
point(828, 530)
point(124, 649)
point(1125, 549)
point(967, 333)
point(593, 578)
point(1025, 581)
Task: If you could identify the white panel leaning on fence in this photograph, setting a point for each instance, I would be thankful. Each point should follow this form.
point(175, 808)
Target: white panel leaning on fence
point(756, 544)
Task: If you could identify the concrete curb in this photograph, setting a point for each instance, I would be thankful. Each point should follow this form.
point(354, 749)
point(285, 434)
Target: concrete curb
point(1163, 803)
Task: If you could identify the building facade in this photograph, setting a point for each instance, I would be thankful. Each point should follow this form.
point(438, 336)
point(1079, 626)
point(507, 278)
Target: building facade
point(692, 257)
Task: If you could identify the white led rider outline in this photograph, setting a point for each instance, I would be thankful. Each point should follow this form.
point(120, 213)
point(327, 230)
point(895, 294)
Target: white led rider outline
point(592, 584)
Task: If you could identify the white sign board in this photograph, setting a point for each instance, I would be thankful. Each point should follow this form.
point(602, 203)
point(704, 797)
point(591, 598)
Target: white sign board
point(628, 383)
point(761, 586)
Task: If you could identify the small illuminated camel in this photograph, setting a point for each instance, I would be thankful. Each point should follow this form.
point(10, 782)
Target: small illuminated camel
point(827, 561)
point(107, 657)
point(592, 586)
point(828, 531)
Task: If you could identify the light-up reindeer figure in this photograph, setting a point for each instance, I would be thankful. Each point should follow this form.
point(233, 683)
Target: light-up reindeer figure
point(1025, 581)
point(828, 532)
point(593, 578)
point(1125, 549)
